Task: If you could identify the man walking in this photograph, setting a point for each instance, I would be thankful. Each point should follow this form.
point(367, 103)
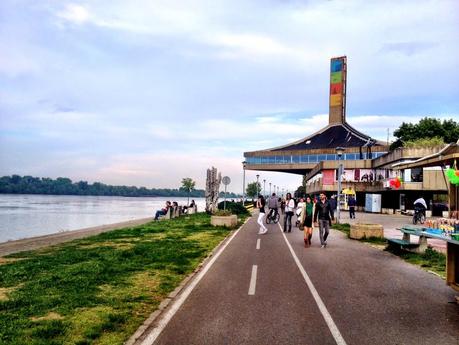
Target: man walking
point(351, 203)
point(332, 202)
point(324, 215)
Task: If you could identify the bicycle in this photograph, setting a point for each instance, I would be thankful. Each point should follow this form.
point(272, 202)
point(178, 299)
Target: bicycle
point(272, 219)
point(419, 217)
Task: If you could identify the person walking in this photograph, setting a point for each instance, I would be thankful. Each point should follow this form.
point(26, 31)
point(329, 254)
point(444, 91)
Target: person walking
point(289, 207)
point(306, 220)
point(333, 204)
point(324, 215)
point(299, 211)
point(261, 206)
point(351, 203)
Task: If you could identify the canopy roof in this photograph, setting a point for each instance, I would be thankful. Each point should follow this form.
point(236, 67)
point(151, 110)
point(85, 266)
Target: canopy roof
point(331, 136)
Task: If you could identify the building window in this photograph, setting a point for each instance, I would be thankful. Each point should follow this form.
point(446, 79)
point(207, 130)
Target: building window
point(416, 175)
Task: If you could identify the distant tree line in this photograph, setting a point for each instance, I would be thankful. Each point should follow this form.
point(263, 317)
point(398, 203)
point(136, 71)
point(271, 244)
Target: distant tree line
point(16, 184)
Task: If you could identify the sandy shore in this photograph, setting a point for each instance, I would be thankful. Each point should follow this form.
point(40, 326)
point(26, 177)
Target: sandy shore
point(31, 243)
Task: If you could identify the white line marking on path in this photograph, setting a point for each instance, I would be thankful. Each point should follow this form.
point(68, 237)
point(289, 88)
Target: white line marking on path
point(258, 243)
point(323, 309)
point(253, 280)
point(153, 335)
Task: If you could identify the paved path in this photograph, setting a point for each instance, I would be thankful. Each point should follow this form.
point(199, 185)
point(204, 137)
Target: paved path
point(357, 295)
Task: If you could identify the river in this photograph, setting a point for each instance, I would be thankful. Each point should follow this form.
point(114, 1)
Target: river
point(23, 216)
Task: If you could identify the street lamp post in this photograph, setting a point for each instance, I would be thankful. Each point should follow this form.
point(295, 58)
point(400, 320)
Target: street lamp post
point(339, 152)
point(264, 187)
point(269, 188)
point(277, 190)
point(258, 176)
point(244, 163)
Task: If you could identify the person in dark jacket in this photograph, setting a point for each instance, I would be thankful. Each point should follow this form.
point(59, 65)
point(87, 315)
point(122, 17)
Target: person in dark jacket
point(351, 203)
point(333, 204)
point(324, 215)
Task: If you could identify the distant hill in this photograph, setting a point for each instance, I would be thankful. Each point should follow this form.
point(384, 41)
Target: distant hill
point(16, 184)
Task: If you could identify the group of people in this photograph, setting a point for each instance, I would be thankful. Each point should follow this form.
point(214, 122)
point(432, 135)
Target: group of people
point(310, 212)
point(174, 205)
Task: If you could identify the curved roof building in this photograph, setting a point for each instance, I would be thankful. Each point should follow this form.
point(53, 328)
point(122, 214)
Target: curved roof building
point(304, 155)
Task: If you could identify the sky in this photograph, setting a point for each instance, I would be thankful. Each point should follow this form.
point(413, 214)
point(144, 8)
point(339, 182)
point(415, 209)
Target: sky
point(147, 92)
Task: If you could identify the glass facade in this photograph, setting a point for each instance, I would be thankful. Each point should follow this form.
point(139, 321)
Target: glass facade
point(298, 159)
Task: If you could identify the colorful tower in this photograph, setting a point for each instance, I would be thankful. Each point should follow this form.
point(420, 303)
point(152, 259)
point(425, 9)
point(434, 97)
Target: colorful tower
point(338, 71)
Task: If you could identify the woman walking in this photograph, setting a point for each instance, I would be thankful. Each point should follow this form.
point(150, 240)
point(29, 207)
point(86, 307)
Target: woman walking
point(261, 206)
point(306, 220)
point(289, 207)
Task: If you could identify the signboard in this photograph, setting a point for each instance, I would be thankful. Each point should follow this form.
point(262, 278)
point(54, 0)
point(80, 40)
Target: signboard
point(338, 71)
point(328, 177)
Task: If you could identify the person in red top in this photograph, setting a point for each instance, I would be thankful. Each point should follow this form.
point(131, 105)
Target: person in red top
point(163, 211)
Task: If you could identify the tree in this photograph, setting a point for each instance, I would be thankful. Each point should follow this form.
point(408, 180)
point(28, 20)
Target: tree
point(300, 192)
point(448, 130)
point(253, 189)
point(188, 185)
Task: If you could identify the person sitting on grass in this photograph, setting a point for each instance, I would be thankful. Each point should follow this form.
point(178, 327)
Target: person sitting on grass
point(163, 211)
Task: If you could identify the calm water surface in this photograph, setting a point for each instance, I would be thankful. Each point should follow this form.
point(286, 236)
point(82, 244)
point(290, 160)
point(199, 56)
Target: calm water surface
point(23, 216)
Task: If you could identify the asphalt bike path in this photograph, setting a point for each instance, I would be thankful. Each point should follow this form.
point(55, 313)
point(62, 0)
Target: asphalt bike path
point(220, 310)
point(347, 293)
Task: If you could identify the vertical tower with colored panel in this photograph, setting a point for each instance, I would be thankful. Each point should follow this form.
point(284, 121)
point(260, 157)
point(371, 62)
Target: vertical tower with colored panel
point(338, 75)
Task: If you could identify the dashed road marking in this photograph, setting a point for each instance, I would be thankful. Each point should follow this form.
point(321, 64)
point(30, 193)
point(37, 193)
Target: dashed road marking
point(153, 335)
point(323, 309)
point(258, 243)
point(253, 280)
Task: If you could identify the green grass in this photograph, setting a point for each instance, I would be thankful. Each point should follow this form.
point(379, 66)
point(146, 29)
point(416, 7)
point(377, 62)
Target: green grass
point(98, 290)
point(343, 227)
point(431, 260)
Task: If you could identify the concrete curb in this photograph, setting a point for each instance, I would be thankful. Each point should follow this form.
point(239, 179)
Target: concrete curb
point(141, 332)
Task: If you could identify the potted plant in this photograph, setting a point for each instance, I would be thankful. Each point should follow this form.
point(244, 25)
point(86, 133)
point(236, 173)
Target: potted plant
point(223, 218)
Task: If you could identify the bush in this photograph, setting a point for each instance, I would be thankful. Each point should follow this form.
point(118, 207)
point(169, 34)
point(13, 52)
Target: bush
point(425, 142)
point(234, 207)
point(222, 213)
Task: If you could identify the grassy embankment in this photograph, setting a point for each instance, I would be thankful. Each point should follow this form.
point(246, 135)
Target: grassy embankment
point(431, 260)
point(98, 290)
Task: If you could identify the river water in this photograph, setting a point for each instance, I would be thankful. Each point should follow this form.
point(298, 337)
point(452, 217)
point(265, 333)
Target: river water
point(23, 216)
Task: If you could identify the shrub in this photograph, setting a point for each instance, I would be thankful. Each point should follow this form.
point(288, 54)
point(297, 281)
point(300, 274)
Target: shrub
point(424, 142)
point(234, 207)
point(223, 213)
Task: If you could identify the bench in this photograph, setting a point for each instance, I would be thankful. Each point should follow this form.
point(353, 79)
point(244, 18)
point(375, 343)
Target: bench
point(406, 244)
point(402, 244)
point(168, 215)
point(191, 210)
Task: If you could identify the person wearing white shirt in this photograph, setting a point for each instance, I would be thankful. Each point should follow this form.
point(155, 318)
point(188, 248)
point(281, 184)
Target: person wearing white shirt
point(289, 207)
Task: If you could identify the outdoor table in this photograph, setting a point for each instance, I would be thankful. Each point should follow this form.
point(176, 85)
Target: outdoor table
point(452, 251)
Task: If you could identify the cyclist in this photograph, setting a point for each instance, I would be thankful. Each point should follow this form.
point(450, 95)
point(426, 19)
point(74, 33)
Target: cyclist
point(273, 205)
point(420, 207)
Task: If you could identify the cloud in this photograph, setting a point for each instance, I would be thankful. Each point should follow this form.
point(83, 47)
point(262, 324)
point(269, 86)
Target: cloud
point(408, 48)
point(74, 13)
point(144, 92)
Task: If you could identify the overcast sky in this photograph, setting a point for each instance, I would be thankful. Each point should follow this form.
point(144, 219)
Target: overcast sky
point(145, 92)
